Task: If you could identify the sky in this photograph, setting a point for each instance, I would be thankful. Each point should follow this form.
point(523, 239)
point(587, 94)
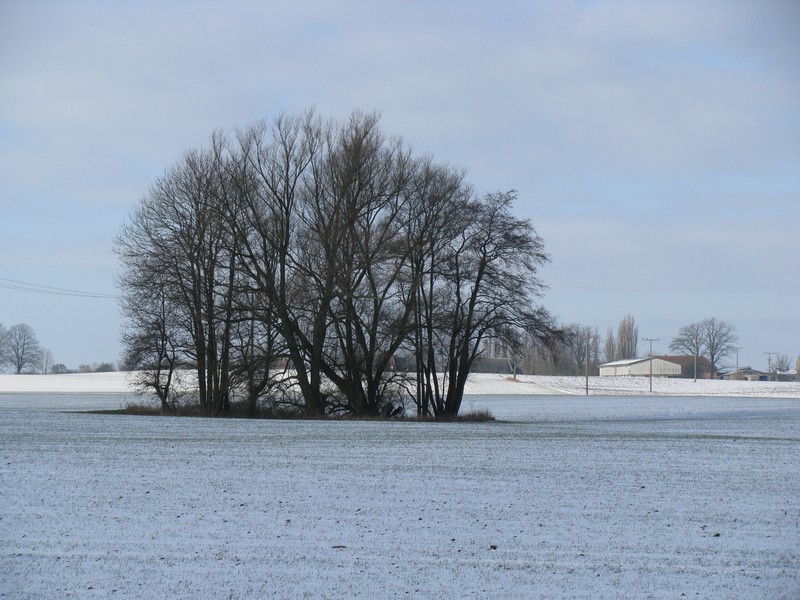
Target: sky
point(655, 146)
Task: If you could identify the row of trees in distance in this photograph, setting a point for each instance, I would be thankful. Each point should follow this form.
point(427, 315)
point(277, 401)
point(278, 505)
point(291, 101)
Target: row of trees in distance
point(577, 343)
point(711, 338)
point(21, 352)
point(301, 261)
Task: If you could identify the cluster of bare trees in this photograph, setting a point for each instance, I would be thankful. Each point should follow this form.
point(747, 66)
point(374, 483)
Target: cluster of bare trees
point(624, 345)
point(299, 260)
point(567, 354)
point(780, 365)
point(579, 347)
point(20, 350)
point(576, 347)
point(711, 338)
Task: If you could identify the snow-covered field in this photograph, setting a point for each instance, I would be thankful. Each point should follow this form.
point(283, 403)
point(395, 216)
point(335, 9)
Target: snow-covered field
point(479, 383)
point(568, 497)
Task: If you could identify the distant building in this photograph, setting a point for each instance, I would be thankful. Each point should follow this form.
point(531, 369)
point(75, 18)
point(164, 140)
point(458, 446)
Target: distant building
point(663, 366)
point(746, 373)
point(639, 367)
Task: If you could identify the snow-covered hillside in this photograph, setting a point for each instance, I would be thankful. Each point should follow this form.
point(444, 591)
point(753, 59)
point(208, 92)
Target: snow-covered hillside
point(479, 383)
point(627, 386)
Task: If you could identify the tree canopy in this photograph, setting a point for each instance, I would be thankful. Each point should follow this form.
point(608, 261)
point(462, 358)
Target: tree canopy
point(299, 260)
point(710, 337)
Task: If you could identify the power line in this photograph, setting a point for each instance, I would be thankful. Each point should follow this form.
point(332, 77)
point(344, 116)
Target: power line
point(35, 288)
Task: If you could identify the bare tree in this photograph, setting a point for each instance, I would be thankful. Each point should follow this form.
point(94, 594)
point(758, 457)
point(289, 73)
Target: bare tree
point(153, 338)
point(3, 347)
point(567, 355)
point(277, 253)
point(486, 287)
point(330, 247)
point(45, 360)
point(582, 341)
point(610, 347)
point(368, 178)
point(719, 340)
point(22, 347)
point(781, 364)
point(178, 238)
point(438, 218)
point(325, 208)
point(258, 354)
point(711, 338)
point(690, 341)
point(627, 338)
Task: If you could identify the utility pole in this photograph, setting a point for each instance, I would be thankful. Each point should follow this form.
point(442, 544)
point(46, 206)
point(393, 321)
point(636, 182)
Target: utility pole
point(769, 362)
point(651, 340)
point(736, 373)
point(587, 363)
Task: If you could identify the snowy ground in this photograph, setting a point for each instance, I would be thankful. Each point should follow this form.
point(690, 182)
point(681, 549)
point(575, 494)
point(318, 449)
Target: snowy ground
point(568, 497)
point(479, 383)
point(83, 383)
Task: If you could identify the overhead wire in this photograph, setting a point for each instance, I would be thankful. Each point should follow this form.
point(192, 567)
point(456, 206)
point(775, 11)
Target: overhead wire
point(35, 288)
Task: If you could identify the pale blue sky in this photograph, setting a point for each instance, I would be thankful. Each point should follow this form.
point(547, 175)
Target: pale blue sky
point(655, 145)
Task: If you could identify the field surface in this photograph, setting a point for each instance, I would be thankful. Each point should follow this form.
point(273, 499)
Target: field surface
point(478, 383)
point(563, 497)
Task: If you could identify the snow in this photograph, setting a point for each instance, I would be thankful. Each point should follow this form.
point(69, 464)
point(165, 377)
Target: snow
point(83, 383)
point(566, 496)
point(665, 386)
point(478, 383)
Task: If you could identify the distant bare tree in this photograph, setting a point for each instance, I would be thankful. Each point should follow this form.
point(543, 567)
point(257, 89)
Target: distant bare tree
point(22, 347)
point(525, 353)
point(690, 341)
point(627, 338)
point(719, 340)
point(3, 347)
point(781, 364)
point(580, 341)
point(45, 360)
point(610, 347)
point(711, 338)
point(592, 340)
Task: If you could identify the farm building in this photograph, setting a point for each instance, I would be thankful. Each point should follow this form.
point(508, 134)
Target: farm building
point(747, 374)
point(640, 366)
point(687, 364)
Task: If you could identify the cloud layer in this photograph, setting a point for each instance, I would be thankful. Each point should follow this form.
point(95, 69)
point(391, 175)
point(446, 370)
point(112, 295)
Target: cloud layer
point(656, 146)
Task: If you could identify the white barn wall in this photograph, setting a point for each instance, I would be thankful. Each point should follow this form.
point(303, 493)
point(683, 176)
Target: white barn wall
point(640, 367)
